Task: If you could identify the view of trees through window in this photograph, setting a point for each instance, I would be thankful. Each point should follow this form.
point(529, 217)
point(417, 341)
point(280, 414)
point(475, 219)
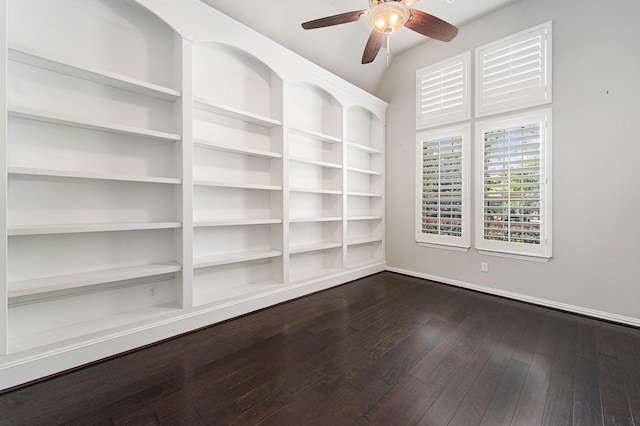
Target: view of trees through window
point(442, 186)
point(512, 184)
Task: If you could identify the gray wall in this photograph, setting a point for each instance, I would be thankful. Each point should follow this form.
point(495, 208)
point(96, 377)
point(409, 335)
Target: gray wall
point(596, 161)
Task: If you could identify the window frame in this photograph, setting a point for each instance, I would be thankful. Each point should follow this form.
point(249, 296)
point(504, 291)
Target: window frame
point(443, 116)
point(462, 242)
point(538, 252)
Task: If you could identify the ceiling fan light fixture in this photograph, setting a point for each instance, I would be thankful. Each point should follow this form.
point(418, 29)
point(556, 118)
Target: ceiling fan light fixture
point(387, 17)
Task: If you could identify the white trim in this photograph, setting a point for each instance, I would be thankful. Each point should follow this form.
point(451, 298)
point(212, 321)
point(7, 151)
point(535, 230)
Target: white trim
point(579, 310)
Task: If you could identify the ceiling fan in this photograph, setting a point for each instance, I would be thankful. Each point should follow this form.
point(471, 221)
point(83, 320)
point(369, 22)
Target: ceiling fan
point(386, 16)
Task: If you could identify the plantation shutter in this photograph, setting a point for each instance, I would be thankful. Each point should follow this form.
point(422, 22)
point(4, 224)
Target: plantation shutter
point(442, 92)
point(514, 199)
point(515, 72)
point(442, 203)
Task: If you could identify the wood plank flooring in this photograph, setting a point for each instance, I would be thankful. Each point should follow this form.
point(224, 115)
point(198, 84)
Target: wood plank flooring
point(384, 350)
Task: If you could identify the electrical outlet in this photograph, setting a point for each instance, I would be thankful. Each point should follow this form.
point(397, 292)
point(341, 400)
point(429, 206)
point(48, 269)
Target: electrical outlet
point(484, 267)
point(153, 292)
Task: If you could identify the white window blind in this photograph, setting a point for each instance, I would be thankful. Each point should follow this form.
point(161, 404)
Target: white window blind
point(442, 212)
point(442, 92)
point(513, 199)
point(514, 72)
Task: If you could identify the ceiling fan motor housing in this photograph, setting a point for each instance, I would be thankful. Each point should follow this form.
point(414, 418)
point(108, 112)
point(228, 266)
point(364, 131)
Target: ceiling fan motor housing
point(386, 16)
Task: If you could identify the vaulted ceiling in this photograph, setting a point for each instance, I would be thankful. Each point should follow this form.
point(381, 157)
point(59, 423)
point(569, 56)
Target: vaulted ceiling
point(339, 48)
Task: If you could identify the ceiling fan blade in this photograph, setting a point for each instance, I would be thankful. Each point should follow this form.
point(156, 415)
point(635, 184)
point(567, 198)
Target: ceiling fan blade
point(328, 21)
point(373, 47)
point(430, 26)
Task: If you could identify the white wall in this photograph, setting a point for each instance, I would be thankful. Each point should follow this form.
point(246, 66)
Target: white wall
point(596, 161)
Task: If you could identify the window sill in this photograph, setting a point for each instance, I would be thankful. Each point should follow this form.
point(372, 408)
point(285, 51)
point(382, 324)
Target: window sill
point(444, 246)
point(527, 257)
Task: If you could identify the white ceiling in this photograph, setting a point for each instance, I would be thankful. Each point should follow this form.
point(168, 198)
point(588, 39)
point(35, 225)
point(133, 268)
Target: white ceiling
point(339, 48)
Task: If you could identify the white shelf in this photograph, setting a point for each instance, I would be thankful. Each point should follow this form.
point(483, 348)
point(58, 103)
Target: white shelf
point(365, 194)
point(364, 171)
point(316, 191)
point(237, 185)
point(239, 291)
point(53, 118)
point(364, 148)
point(18, 230)
point(37, 59)
point(236, 149)
point(90, 175)
point(305, 248)
point(85, 279)
point(313, 273)
point(316, 163)
point(227, 258)
point(316, 135)
point(236, 222)
point(363, 240)
point(235, 113)
point(365, 218)
point(315, 219)
point(46, 337)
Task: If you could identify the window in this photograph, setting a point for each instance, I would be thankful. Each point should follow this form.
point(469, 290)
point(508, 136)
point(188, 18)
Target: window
point(513, 196)
point(514, 72)
point(442, 210)
point(443, 92)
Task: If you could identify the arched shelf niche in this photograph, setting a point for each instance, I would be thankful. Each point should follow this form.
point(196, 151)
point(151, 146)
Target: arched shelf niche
point(315, 111)
point(229, 78)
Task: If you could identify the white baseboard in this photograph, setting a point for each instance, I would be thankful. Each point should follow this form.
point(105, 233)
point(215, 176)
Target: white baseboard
point(635, 322)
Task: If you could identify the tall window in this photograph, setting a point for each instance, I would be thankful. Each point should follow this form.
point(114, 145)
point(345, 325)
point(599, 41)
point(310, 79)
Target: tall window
point(442, 200)
point(513, 196)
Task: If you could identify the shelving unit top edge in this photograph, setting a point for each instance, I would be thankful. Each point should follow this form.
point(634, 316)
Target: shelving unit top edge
point(197, 22)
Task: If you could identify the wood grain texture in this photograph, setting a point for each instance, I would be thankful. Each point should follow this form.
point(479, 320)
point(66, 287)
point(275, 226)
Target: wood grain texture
point(386, 349)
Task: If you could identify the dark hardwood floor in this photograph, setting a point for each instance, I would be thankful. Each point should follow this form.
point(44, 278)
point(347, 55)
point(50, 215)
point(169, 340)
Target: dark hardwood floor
point(383, 350)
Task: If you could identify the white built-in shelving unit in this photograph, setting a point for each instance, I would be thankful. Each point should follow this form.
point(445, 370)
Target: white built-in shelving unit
point(315, 182)
point(92, 176)
point(365, 187)
point(237, 174)
point(167, 168)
